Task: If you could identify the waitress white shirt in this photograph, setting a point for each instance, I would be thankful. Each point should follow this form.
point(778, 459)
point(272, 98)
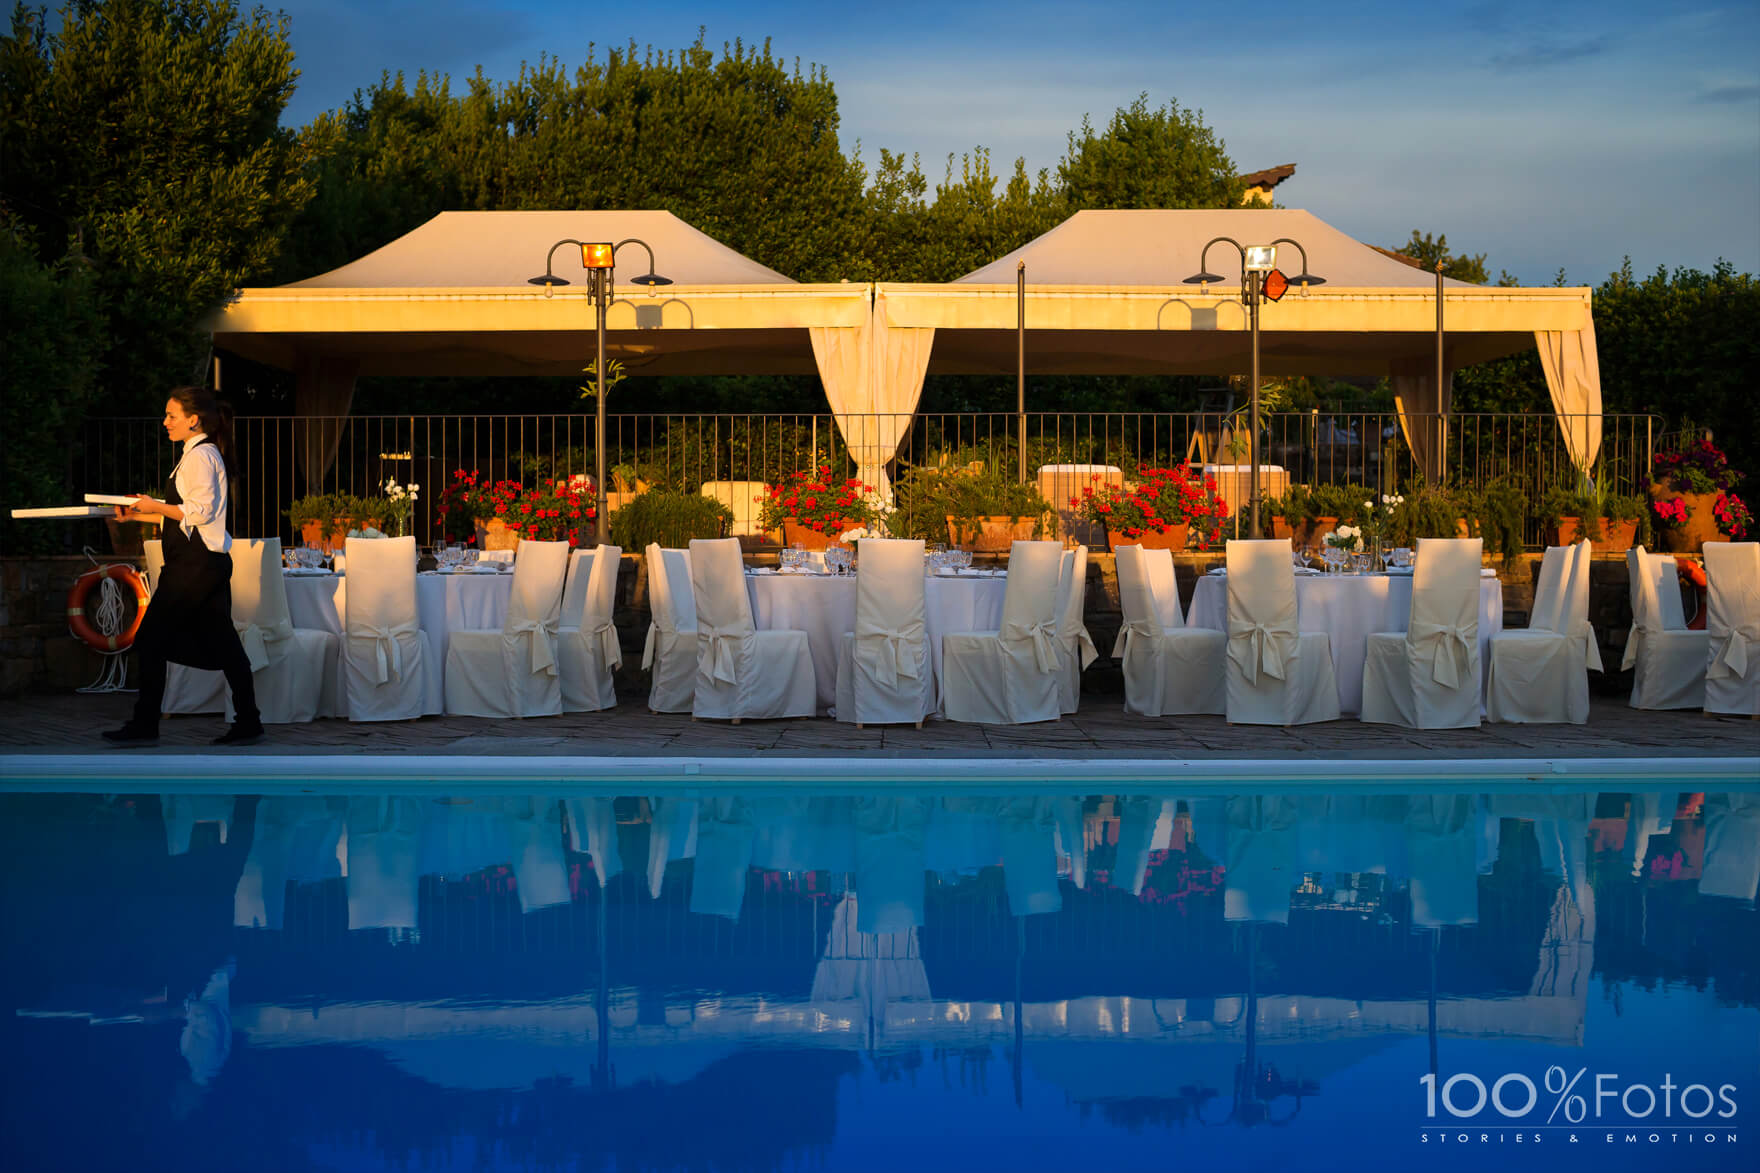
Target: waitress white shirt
point(201, 482)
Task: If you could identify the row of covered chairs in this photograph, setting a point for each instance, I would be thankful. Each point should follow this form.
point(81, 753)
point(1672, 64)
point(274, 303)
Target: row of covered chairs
point(555, 653)
point(707, 657)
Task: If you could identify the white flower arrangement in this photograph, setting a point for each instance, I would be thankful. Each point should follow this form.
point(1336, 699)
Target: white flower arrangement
point(1345, 537)
point(403, 499)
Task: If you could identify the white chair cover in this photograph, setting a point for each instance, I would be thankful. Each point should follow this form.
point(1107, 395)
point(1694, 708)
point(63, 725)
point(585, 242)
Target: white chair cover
point(384, 845)
point(1667, 661)
point(1009, 676)
point(725, 837)
point(1539, 674)
point(1168, 667)
point(181, 813)
point(540, 864)
point(294, 668)
point(883, 675)
point(670, 655)
point(1276, 674)
point(1073, 640)
point(388, 662)
point(742, 672)
point(592, 828)
point(1263, 836)
point(587, 642)
point(1732, 621)
point(1442, 842)
point(1732, 839)
point(574, 588)
point(1427, 677)
point(515, 672)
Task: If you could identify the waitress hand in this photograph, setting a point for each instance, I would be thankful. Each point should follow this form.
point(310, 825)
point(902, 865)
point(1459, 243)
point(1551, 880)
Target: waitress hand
point(144, 509)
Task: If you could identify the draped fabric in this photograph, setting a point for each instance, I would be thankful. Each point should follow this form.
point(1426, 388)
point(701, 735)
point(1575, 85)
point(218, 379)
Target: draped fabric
point(1423, 419)
point(1573, 378)
point(873, 377)
point(323, 391)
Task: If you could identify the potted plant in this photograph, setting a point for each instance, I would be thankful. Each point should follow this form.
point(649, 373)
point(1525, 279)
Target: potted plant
point(1569, 516)
point(1161, 509)
point(1425, 511)
point(1495, 514)
point(560, 510)
point(670, 518)
point(815, 509)
point(987, 511)
point(474, 509)
point(1327, 506)
point(1690, 488)
point(324, 519)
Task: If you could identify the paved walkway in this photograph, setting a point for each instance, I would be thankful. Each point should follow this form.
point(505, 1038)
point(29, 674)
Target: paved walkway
point(1101, 731)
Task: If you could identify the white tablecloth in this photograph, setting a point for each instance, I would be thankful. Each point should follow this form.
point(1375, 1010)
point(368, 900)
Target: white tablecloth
point(824, 606)
point(444, 603)
point(1348, 607)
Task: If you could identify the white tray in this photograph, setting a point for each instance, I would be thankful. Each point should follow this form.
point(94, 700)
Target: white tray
point(67, 512)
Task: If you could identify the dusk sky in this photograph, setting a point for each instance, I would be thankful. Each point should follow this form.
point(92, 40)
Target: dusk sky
point(1565, 135)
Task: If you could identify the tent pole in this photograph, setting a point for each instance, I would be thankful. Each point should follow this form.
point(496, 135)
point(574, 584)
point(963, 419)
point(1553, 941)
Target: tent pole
point(1020, 376)
point(1441, 432)
point(601, 523)
point(1252, 291)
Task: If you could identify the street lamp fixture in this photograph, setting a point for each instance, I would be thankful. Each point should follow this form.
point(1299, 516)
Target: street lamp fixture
point(1260, 280)
point(599, 259)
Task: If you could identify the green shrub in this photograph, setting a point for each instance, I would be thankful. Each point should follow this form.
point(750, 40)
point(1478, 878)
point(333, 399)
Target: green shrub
point(670, 518)
point(926, 496)
point(1426, 512)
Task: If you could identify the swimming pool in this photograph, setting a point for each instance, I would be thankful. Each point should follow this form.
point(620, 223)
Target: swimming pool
point(1521, 967)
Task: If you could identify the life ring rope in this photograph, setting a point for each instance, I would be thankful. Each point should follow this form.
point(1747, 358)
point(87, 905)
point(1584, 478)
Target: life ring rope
point(114, 584)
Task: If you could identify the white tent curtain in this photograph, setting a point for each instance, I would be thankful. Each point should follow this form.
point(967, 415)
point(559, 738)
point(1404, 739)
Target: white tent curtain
point(873, 377)
point(1573, 376)
point(1422, 419)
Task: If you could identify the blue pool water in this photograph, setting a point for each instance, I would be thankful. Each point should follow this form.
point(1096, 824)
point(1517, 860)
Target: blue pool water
point(1342, 980)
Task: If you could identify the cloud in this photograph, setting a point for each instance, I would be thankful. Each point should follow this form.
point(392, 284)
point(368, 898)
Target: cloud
point(1729, 95)
point(1547, 54)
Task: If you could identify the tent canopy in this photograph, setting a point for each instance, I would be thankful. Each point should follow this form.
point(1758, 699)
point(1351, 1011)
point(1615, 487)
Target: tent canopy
point(1105, 295)
point(451, 297)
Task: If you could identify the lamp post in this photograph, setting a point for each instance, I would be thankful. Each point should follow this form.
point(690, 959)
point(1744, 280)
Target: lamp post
point(1260, 278)
point(599, 260)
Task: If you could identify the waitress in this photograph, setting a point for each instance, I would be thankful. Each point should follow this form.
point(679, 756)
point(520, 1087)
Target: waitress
point(189, 620)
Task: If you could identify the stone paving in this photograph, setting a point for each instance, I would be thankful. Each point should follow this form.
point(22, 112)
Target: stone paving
point(70, 724)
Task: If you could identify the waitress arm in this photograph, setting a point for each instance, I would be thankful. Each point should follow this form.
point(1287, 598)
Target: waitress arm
point(198, 483)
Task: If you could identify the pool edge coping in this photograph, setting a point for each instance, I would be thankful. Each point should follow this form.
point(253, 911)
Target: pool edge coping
point(339, 773)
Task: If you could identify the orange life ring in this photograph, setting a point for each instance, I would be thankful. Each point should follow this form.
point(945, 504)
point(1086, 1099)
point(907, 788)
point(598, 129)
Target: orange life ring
point(82, 627)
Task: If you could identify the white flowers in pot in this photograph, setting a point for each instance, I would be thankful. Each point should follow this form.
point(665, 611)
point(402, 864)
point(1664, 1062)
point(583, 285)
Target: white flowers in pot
point(403, 505)
point(1345, 537)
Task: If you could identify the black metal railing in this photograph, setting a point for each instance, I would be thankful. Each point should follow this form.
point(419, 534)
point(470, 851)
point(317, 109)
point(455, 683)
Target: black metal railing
point(282, 458)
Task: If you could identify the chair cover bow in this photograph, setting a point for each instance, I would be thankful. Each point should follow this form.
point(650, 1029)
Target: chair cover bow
point(1128, 634)
point(1732, 658)
point(648, 647)
point(723, 647)
point(889, 653)
point(1591, 650)
point(1044, 640)
point(610, 650)
point(543, 641)
point(387, 650)
point(1449, 647)
point(1260, 647)
point(1641, 632)
point(255, 641)
point(1085, 646)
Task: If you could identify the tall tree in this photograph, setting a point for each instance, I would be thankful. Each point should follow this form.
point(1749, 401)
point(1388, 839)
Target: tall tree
point(1149, 158)
point(144, 135)
point(1428, 250)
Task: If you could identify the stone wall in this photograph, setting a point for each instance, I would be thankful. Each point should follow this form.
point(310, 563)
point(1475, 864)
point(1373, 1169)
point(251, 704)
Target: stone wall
point(38, 655)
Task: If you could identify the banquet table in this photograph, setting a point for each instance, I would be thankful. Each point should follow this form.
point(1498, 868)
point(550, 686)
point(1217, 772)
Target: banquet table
point(824, 606)
point(445, 603)
point(1348, 607)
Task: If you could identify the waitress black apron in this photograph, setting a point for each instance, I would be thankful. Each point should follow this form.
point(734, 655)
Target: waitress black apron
point(189, 621)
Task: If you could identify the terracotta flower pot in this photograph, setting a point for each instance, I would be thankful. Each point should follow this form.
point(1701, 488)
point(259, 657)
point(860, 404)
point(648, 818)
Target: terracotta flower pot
point(811, 539)
point(1313, 530)
point(992, 535)
point(1280, 528)
point(1616, 536)
point(493, 534)
point(1172, 538)
point(311, 533)
point(1699, 528)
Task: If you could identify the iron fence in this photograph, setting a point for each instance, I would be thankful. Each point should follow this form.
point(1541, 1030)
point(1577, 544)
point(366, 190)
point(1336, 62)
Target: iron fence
point(282, 458)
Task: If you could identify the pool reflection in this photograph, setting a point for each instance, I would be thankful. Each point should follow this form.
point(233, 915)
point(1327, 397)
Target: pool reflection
point(662, 981)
